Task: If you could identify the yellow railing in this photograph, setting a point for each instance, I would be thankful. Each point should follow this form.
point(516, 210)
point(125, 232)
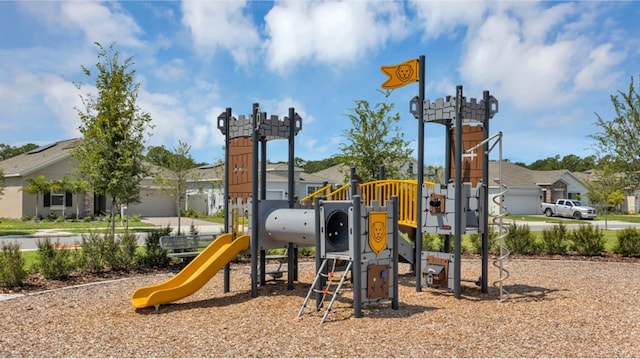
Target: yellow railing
point(382, 191)
point(312, 197)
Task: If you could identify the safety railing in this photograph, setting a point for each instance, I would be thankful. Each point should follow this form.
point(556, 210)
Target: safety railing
point(311, 198)
point(382, 191)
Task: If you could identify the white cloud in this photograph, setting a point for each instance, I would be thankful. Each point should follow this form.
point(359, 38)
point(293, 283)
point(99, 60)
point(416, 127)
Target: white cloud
point(329, 32)
point(221, 24)
point(62, 98)
point(438, 18)
point(97, 21)
point(171, 71)
point(597, 72)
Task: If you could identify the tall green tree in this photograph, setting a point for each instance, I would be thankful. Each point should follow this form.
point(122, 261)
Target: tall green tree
point(114, 130)
point(619, 138)
point(36, 186)
point(374, 139)
point(172, 179)
point(161, 156)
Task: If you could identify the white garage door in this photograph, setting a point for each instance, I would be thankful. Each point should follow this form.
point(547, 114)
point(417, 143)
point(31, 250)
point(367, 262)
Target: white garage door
point(154, 204)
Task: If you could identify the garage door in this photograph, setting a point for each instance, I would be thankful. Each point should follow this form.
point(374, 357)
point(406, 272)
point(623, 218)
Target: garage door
point(154, 204)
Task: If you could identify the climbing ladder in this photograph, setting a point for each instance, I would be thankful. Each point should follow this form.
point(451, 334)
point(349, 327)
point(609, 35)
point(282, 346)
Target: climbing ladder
point(326, 291)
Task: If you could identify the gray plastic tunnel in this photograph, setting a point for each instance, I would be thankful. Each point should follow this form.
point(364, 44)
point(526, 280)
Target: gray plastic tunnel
point(299, 226)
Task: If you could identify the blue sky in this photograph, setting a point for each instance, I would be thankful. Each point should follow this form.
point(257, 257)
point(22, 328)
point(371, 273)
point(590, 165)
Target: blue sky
point(551, 65)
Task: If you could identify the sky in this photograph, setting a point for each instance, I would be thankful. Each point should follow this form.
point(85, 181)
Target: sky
point(552, 66)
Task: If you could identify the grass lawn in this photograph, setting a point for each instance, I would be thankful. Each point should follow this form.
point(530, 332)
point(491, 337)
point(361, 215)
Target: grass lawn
point(18, 227)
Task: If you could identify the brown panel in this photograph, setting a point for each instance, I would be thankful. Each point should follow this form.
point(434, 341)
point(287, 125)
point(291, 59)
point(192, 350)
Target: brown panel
point(471, 166)
point(240, 168)
point(377, 281)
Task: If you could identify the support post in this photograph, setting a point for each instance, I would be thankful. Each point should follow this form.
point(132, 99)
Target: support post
point(263, 195)
point(418, 241)
point(447, 175)
point(292, 266)
point(394, 257)
point(227, 267)
point(254, 204)
point(458, 194)
point(356, 271)
point(484, 279)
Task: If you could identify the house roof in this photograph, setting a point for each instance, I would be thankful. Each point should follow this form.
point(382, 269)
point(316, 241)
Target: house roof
point(44, 156)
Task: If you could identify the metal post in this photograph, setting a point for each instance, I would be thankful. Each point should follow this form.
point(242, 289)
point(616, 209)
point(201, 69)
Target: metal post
point(458, 194)
point(254, 204)
point(263, 196)
point(292, 266)
point(356, 271)
point(319, 283)
point(447, 175)
point(227, 267)
point(484, 279)
point(418, 240)
point(394, 210)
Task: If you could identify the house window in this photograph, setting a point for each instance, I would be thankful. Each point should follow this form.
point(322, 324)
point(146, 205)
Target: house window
point(311, 189)
point(57, 200)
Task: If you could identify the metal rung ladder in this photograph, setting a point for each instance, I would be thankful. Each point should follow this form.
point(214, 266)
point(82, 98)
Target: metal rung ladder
point(326, 290)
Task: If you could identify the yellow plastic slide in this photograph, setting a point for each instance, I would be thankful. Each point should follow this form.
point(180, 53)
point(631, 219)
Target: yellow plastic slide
point(192, 277)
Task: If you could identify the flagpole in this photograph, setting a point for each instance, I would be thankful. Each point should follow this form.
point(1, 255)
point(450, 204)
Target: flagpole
point(418, 244)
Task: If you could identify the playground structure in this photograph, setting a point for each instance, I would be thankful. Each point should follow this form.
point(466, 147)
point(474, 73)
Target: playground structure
point(355, 228)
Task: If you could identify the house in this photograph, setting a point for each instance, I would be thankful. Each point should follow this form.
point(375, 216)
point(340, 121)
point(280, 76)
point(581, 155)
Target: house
point(205, 189)
point(527, 188)
point(54, 161)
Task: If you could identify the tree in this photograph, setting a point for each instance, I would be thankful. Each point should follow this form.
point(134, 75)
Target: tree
point(7, 151)
point(161, 156)
point(615, 199)
point(619, 138)
point(173, 180)
point(36, 186)
point(110, 154)
point(375, 139)
point(78, 186)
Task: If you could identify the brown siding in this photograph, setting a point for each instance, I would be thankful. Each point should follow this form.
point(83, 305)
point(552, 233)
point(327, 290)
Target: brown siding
point(471, 166)
point(240, 168)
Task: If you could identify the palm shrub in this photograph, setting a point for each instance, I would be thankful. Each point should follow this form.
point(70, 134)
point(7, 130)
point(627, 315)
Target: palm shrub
point(520, 240)
point(588, 240)
point(53, 263)
point(628, 242)
point(554, 239)
point(154, 255)
point(12, 271)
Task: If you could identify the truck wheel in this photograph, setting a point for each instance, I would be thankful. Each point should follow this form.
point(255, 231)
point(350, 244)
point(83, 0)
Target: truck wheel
point(577, 215)
point(548, 212)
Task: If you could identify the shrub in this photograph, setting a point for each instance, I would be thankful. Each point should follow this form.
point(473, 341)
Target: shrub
point(53, 263)
point(432, 242)
point(475, 239)
point(191, 213)
point(12, 272)
point(554, 239)
point(520, 240)
point(135, 217)
point(193, 230)
point(91, 256)
point(154, 255)
point(628, 242)
point(588, 240)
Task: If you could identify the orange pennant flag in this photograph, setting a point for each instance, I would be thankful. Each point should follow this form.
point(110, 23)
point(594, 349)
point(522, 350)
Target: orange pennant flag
point(401, 74)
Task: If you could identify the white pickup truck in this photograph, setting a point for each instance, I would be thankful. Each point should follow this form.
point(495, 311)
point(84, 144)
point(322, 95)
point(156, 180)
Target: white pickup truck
point(568, 208)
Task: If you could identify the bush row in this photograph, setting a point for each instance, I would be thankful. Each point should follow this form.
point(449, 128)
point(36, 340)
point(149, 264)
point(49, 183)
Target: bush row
point(100, 252)
point(586, 240)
